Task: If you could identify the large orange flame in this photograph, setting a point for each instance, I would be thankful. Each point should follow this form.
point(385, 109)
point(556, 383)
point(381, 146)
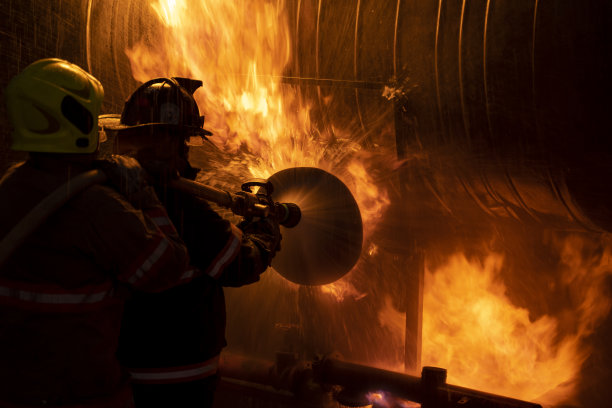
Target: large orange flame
point(239, 49)
point(471, 328)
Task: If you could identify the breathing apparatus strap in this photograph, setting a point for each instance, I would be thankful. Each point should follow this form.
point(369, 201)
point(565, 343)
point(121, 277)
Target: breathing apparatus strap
point(49, 205)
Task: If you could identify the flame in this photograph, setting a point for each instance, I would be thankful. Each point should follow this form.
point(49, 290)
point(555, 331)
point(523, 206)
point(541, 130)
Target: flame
point(371, 198)
point(381, 399)
point(471, 328)
point(394, 321)
point(240, 49)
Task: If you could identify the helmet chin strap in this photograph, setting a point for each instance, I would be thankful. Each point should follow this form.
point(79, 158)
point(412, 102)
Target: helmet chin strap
point(186, 170)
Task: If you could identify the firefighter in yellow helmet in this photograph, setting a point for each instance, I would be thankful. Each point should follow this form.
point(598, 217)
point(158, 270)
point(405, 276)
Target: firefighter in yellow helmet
point(62, 290)
point(53, 106)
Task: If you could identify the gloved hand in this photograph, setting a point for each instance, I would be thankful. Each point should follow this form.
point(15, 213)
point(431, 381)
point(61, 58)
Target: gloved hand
point(126, 175)
point(265, 234)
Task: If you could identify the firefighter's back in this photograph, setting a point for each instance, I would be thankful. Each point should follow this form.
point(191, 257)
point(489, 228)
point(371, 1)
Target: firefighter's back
point(59, 305)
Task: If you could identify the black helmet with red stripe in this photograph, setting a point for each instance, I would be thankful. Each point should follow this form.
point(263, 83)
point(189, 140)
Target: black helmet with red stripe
point(165, 102)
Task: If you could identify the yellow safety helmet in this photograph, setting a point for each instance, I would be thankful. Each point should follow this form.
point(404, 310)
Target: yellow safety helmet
point(54, 106)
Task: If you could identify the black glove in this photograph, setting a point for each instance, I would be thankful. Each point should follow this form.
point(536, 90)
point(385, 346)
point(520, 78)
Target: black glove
point(129, 178)
point(265, 234)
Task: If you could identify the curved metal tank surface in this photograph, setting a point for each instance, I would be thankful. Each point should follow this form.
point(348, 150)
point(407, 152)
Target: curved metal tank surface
point(503, 103)
point(499, 106)
point(510, 107)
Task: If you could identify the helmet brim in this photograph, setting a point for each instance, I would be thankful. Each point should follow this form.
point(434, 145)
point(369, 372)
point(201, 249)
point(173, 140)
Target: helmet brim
point(113, 122)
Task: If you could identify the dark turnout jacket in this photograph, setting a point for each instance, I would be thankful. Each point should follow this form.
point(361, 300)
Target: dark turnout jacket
point(62, 292)
point(171, 341)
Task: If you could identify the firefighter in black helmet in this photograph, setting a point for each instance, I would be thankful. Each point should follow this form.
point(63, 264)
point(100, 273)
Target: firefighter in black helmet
point(171, 341)
point(156, 121)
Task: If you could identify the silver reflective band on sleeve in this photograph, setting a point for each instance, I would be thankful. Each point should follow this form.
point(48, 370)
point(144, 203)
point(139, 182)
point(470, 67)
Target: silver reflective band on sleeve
point(176, 374)
point(150, 261)
point(221, 262)
point(188, 274)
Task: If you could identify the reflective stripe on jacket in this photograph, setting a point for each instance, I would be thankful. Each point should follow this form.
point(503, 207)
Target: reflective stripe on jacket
point(62, 291)
point(52, 298)
point(178, 329)
point(227, 254)
point(171, 375)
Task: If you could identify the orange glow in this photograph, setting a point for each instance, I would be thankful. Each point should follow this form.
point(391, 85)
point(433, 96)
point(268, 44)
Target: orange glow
point(382, 399)
point(342, 289)
point(371, 198)
point(239, 49)
point(472, 329)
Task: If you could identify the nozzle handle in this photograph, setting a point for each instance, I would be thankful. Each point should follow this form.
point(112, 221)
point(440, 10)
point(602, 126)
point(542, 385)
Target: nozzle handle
point(289, 214)
point(242, 203)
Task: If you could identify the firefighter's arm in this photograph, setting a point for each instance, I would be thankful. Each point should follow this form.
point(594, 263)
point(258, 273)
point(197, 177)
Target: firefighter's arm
point(221, 250)
point(140, 246)
point(260, 242)
point(247, 266)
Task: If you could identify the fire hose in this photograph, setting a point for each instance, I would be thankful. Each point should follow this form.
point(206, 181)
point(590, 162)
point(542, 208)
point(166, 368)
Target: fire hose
point(44, 209)
point(244, 203)
point(321, 249)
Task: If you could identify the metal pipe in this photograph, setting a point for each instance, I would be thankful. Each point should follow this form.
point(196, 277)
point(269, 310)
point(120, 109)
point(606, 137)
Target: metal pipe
point(297, 376)
point(216, 195)
point(430, 389)
point(249, 369)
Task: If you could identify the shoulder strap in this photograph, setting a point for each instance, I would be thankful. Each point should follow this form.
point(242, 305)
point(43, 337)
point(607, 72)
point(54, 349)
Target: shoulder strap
point(45, 208)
